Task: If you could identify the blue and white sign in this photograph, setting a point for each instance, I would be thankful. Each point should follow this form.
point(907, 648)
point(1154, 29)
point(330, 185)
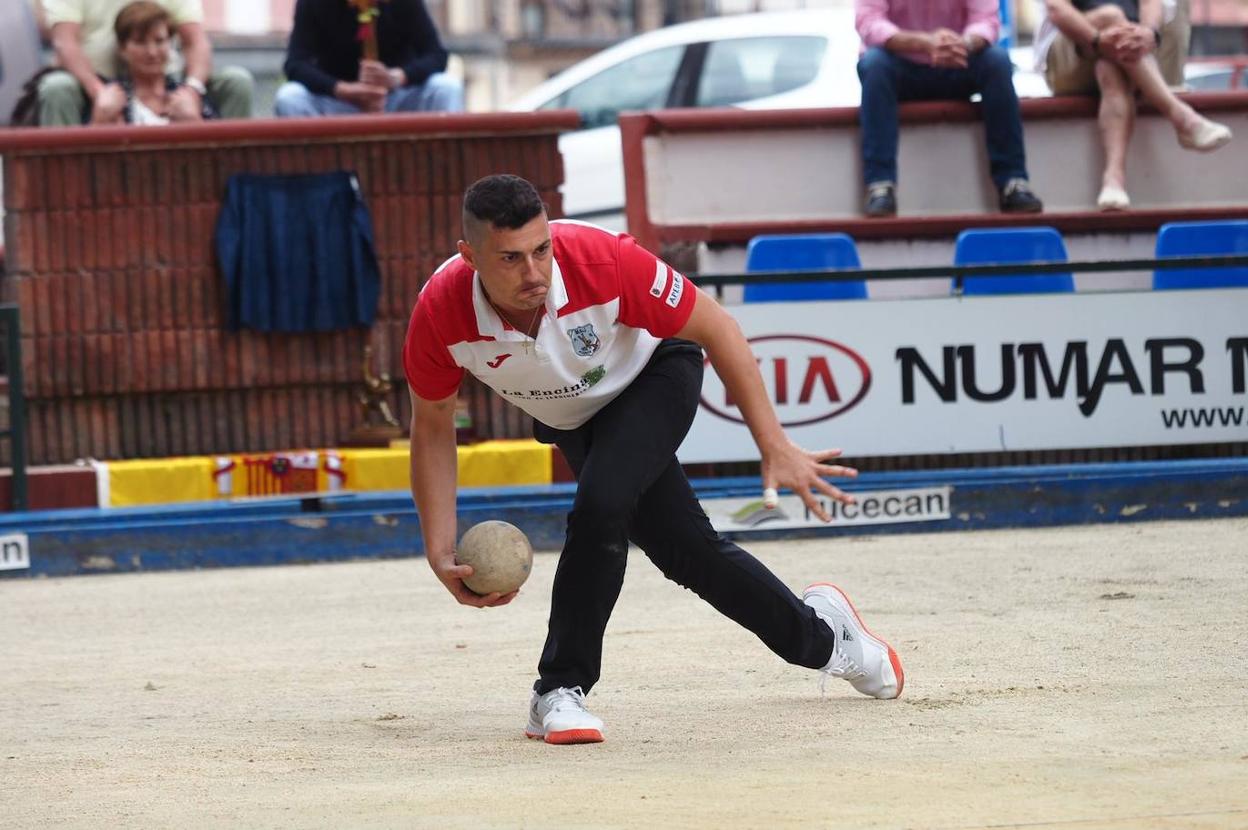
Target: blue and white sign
point(876, 507)
point(14, 552)
point(991, 374)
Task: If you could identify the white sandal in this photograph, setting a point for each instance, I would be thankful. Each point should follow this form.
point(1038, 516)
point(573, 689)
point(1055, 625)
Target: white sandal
point(1205, 137)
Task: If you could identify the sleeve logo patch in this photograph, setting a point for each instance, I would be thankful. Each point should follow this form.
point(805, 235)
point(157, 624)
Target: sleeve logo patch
point(660, 280)
point(678, 288)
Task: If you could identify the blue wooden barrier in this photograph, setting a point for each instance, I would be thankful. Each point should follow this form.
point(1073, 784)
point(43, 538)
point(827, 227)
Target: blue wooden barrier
point(284, 530)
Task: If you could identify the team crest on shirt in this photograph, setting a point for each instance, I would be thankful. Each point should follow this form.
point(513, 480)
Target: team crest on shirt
point(584, 340)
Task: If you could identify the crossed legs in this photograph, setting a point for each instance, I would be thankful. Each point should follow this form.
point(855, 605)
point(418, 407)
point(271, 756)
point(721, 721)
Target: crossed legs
point(1119, 83)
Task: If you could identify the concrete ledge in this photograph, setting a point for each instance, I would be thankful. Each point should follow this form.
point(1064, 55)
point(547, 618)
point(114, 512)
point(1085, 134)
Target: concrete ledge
point(721, 176)
point(239, 132)
point(319, 528)
point(934, 227)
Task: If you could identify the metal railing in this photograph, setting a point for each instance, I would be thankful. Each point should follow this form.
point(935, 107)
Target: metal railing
point(10, 318)
point(960, 272)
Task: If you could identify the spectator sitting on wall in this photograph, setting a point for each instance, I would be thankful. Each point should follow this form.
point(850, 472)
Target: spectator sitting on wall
point(144, 94)
point(353, 56)
point(1110, 46)
point(923, 50)
point(86, 49)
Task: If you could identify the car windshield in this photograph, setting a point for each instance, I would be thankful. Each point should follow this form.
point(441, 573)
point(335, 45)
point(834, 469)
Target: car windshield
point(639, 83)
point(758, 67)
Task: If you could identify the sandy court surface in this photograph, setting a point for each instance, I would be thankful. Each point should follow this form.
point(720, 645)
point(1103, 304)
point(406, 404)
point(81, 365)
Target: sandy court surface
point(1087, 677)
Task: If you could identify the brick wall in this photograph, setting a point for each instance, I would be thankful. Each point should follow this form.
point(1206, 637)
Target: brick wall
point(109, 245)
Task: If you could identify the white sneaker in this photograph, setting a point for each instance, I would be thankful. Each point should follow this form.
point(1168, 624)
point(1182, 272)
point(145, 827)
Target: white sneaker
point(867, 662)
point(560, 717)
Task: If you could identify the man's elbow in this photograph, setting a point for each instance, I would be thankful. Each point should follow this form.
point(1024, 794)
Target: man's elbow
point(433, 417)
point(724, 329)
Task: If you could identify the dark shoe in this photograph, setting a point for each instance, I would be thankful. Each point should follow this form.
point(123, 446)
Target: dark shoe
point(1016, 197)
point(881, 199)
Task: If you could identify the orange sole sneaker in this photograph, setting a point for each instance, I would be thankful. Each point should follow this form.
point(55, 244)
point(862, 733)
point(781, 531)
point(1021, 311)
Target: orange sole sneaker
point(892, 655)
point(568, 736)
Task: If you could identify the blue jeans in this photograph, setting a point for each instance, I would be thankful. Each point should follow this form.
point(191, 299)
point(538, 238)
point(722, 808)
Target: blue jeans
point(888, 79)
point(439, 93)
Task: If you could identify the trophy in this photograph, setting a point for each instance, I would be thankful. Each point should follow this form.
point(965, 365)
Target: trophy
point(379, 426)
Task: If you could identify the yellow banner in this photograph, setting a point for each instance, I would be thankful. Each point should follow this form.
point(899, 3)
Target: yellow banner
point(159, 481)
point(169, 480)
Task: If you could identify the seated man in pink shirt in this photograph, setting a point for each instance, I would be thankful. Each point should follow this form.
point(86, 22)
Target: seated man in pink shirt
point(922, 50)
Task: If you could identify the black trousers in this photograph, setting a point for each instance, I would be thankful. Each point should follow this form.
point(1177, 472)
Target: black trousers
point(631, 487)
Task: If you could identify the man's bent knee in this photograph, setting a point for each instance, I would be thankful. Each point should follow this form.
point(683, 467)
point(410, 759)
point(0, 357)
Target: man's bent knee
point(446, 93)
point(875, 64)
point(594, 514)
point(62, 100)
point(1105, 16)
point(233, 88)
point(59, 83)
point(293, 100)
point(996, 59)
point(1111, 79)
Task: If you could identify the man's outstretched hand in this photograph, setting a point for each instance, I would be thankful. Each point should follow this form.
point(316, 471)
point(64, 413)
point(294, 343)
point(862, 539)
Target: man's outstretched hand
point(804, 473)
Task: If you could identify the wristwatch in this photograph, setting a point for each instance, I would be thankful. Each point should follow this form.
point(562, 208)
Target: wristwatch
point(196, 84)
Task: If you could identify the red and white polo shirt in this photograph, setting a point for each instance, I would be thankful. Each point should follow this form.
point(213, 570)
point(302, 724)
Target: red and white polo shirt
point(610, 303)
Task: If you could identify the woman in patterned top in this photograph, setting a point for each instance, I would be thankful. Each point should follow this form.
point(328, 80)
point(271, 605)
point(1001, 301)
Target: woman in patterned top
point(145, 94)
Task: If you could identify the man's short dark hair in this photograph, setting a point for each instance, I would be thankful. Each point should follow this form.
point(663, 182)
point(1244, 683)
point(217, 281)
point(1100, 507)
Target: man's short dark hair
point(502, 201)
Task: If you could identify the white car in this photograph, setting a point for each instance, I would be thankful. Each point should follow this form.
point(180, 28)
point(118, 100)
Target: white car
point(769, 60)
point(774, 60)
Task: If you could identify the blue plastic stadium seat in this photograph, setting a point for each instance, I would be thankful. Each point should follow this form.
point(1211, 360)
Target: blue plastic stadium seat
point(983, 246)
point(1202, 239)
point(802, 252)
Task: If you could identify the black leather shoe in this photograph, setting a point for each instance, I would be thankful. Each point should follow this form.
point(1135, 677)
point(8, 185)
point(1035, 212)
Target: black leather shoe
point(881, 199)
point(1016, 197)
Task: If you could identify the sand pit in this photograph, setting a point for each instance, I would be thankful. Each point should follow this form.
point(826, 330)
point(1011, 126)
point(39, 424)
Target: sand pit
point(1088, 677)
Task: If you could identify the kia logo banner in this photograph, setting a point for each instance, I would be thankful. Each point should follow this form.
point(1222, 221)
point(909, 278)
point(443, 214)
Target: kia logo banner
point(985, 374)
point(809, 379)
